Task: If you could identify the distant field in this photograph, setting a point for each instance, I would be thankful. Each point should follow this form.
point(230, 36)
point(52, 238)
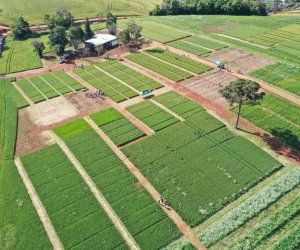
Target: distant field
point(281, 75)
point(279, 34)
point(34, 10)
point(19, 56)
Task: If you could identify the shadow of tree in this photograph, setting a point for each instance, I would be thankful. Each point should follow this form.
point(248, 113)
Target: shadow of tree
point(282, 141)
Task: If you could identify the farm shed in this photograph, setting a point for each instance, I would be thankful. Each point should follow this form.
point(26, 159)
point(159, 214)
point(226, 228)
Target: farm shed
point(108, 41)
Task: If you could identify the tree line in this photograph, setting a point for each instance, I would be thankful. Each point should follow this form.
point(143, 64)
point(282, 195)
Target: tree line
point(210, 7)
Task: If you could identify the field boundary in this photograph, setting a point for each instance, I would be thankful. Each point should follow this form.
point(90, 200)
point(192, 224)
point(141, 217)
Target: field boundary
point(39, 207)
point(22, 93)
point(167, 110)
point(243, 41)
point(96, 192)
point(182, 226)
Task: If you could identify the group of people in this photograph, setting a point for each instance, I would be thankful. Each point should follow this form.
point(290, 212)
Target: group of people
point(163, 202)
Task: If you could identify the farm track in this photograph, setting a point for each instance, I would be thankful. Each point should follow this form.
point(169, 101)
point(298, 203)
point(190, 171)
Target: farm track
point(243, 41)
point(96, 192)
point(37, 203)
point(182, 226)
point(23, 94)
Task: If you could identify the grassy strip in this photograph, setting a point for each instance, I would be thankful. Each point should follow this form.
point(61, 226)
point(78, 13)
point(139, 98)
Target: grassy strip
point(30, 91)
point(290, 242)
point(71, 129)
point(190, 48)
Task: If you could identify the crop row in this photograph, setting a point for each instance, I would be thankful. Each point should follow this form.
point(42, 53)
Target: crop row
point(48, 85)
point(68, 80)
point(198, 165)
point(117, 127)
point(205, 43)
point(16, 209)
point(140, 214)
point(277, 124)
point(78, 219)
point(190, 48)
point(291, 241)
point(129, 76)
point(164, 69)
point(281, 75)
point(250, 208)
point(178, 60)
point(268, 226)
point(112, 88)
point(31, 91)
point(152, 115)
point(179, 104)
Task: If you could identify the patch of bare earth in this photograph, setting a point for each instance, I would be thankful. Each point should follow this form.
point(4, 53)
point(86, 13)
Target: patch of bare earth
point(84, 105)
point(236, 59)
point(208, 85)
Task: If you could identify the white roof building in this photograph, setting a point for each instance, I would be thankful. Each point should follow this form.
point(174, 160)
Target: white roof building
point(102, 39)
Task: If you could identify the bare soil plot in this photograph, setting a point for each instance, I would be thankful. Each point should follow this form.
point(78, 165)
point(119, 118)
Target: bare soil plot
point(207, 85)
point(84, 105)
point(240, 60)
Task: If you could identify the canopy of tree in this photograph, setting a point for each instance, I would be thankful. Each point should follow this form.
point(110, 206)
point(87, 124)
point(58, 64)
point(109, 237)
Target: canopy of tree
point(20, 29)
point(215, 7)
point(62, 17)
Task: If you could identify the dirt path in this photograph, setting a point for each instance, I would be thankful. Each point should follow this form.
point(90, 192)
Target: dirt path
point(167, 110)
point(139, 99)
point(98, 195)
point(140, 125)
point(22, 93)
point(182, 226)
point(243, 41)
point(37, 203)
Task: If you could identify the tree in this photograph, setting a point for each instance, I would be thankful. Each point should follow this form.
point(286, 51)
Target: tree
point(62, 17)
point(124, 37)
point(38, 47)
point(58, 39)
point(134, 31)
point(20, 29)
point(76, 35)
point(87, 30)
point(111, 24)
point(242, 92)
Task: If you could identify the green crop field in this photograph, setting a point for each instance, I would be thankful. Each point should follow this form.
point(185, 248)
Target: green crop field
point(20, 227)
point(278, 117)
point(117, 127)
point(19, 56)
point(281, 75)
point(49, 85)
point(76, 216)
point(152, 115)
point(180, 61)
point(271, 222)
point(35, 10)
point(160, 67)
point(198, 165)
point(114, 89)
point(132, 77)
point(140, 214)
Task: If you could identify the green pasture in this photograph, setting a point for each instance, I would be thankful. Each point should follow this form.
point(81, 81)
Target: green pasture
point(34, 10)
